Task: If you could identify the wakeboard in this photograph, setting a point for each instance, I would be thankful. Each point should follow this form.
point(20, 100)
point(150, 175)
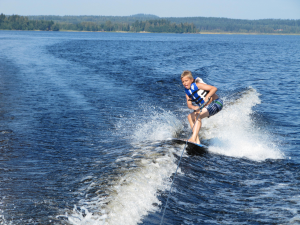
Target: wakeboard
point(192, 148)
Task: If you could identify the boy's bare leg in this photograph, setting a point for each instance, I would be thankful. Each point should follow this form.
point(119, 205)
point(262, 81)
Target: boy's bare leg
point(195, 135)
point(192, 119)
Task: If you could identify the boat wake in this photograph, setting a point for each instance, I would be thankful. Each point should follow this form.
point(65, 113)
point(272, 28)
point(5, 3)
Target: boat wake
point(134, 192)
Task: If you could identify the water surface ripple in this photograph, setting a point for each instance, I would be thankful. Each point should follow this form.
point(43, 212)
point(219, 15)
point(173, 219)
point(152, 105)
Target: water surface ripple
point(87, 121)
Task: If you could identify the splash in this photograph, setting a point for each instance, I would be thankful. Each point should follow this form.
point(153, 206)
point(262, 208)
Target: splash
point(232, 132)
point(3, 221)
point(139, 196)
point(155, 125)
point(135, 193)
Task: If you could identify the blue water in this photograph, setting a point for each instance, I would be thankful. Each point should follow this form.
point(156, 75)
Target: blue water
point(86, 122)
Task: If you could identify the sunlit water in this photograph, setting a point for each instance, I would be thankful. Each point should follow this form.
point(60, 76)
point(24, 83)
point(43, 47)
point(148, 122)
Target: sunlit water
point(87, 121)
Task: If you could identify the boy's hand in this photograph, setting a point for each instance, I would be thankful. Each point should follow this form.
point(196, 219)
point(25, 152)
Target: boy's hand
point(196, 108)
point(208, 100)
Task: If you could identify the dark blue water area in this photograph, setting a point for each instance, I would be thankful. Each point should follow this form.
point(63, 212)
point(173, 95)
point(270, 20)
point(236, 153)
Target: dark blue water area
point(87, 121)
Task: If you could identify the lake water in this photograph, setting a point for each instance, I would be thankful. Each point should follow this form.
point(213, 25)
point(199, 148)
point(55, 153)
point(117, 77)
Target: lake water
point(86, 122)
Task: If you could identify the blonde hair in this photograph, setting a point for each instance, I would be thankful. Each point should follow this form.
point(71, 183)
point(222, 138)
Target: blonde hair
point(186, 73)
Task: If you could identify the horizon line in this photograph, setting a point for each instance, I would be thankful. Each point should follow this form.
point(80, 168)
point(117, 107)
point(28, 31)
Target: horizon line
point(142, 14)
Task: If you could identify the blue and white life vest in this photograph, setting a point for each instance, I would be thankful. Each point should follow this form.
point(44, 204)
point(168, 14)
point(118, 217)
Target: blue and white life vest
point(195, 94)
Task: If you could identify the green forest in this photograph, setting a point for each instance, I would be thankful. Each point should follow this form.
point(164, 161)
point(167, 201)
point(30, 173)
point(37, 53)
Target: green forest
point(149, 23)
point(155, 26)
point(96, 19)
point(16, 22)
point(205, 24)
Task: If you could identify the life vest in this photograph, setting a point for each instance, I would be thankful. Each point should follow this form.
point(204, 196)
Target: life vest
point(195, 94)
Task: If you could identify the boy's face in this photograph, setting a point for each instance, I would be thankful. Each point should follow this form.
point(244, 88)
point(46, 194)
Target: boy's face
point(186, 82)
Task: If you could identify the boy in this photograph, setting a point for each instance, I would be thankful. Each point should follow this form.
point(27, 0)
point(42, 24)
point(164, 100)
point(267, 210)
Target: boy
point(199, 93)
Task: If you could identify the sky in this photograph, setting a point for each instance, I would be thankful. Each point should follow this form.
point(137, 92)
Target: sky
point(236, 9)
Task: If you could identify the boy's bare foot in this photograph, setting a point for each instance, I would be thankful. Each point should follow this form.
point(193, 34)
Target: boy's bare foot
point(194, 141)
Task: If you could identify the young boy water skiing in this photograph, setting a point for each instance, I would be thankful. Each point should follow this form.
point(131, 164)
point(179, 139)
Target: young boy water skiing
point(200, 94)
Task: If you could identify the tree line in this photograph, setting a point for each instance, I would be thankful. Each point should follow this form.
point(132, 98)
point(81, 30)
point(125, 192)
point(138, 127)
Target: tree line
point(93, 26)
point(206, 24)
point(155, 26)
point(149, 23)
point(97, 19)
point(16, 22)
point(162, 25)
point(203, 24)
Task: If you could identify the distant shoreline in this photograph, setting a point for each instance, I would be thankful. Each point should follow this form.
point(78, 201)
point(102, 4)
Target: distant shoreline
point(141, 23)
point(145, 32)
point(228, 33)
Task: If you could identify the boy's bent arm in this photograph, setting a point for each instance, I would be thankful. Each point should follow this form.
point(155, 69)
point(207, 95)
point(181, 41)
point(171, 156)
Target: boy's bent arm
point(211, 90)
point(189, 103)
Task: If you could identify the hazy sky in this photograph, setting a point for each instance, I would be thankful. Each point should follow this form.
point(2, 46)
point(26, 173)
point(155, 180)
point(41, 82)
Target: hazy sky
point(238, 9)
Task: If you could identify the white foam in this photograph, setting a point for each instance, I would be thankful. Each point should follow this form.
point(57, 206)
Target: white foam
point(3, 221)
point(139, 196)
point(155, 125)
point(135, 193)
point(233, 132)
